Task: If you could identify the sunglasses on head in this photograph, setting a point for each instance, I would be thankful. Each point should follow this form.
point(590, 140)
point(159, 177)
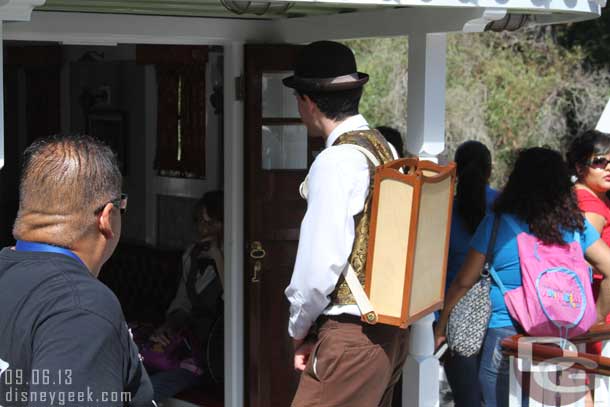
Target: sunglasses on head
point(119, 203)
point(599, 162)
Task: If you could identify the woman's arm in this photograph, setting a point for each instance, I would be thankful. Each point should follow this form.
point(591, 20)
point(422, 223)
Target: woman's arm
point(596, 220)
point(598, 255)
point(467, 277)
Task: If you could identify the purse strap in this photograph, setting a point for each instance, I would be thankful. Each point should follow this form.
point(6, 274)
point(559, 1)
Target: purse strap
point(490, 269)
point(489, 256)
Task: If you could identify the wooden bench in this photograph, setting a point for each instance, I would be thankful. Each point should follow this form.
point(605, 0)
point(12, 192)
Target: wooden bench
point(144, 279)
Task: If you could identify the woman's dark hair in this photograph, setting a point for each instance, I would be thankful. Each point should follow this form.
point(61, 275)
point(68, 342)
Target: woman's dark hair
point(393, 137)
point(213, 202)
point(539, 192)
point(586, 145)
point(473, 161)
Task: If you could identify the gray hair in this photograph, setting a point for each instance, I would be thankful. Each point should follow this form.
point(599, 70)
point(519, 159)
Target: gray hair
point(64, 180)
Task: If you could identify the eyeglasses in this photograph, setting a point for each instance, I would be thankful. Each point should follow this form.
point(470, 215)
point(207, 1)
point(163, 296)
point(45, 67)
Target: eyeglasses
point(203, 218)
point(120, 203)
point(599, 162)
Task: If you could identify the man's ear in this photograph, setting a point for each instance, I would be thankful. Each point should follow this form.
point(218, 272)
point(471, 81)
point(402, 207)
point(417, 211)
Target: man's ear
point(310, 105)
point(307, 101)
point(104, 222)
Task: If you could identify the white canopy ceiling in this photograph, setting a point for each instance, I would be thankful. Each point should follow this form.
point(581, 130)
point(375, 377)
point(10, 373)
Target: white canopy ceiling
point(544, 11)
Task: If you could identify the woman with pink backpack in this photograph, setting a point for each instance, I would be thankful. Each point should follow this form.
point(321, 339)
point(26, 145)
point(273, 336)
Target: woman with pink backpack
point(537, 218)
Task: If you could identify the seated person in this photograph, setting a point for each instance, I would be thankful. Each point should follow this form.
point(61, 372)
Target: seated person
point(175, 353)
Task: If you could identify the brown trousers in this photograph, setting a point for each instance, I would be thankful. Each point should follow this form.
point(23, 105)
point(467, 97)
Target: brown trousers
point(352, 364)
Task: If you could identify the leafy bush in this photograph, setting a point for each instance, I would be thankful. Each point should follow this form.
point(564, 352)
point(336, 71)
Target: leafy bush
point(508, 90)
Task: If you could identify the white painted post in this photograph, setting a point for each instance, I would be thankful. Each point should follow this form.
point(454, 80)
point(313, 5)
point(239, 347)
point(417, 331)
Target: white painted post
point(420, 386)
point(426, 96)
point(15, 10)
point(514, 377)
point(603, 124)
point(425, 138)
point(602, 383)
point(234, 226)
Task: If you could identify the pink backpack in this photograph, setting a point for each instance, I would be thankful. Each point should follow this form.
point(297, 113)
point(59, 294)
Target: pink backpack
point(555, 298)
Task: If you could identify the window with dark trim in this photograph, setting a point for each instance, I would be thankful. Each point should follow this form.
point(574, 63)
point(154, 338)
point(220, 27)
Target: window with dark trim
point(181, 107)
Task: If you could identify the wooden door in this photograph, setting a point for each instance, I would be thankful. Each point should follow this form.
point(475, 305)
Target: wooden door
point(278, 154)
point(31, 110)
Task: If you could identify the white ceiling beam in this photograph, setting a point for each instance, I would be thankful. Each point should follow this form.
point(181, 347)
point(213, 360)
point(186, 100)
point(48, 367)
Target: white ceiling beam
point(488, 16)
point(85, 28)
point(378, 23)
point(391, 22)
point(18, 10)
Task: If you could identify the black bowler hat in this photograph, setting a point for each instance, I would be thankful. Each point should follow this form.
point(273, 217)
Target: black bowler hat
point(325, 66)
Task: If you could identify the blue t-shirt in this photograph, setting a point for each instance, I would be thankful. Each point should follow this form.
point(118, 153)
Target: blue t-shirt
point(506, 259)
point(459, 242)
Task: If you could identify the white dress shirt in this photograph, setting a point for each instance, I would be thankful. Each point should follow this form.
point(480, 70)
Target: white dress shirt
point(182, 300)
point(338, 183)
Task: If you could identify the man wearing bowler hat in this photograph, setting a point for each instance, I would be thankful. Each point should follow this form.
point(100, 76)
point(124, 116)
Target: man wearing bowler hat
point(344, 361)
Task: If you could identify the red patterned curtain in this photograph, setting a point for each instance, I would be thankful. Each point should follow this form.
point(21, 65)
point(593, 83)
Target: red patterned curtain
point(193, 119)
point(166, 158)
point(181, 111)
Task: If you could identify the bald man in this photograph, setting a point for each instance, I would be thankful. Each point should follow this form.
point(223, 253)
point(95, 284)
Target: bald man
point(63, 337)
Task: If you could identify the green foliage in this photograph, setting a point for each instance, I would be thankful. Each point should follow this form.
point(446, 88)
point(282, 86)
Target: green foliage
point(592, 36)
point(534, 92)
point(508, 90)
point(385, 60)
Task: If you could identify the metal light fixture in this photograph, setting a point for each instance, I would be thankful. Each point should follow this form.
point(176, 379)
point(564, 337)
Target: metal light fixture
point(510, 22)
point(256, 7)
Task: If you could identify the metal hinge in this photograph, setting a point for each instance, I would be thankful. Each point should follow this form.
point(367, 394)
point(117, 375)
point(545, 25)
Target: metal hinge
point(240, 88)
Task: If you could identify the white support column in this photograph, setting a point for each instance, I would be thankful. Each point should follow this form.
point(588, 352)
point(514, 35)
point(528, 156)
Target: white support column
point(603, 124)
point(234, 226)
point(426, 96)
point(602, 383)
point(420, 385)
point(426, 139)
point(10, 10)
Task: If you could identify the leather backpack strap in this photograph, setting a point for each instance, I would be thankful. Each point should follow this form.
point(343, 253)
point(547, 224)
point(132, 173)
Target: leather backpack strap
point(371, 157)
point(362, 300)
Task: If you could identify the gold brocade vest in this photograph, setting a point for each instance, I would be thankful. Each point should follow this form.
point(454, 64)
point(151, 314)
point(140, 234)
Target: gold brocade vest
point(374, 142)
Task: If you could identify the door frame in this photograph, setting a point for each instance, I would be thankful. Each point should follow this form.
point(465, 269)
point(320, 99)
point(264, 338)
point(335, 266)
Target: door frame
point(101, 29)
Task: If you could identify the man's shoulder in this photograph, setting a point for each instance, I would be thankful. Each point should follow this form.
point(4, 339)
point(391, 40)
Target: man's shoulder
point(94, 297)
point(56, 283)
point(341, 156)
